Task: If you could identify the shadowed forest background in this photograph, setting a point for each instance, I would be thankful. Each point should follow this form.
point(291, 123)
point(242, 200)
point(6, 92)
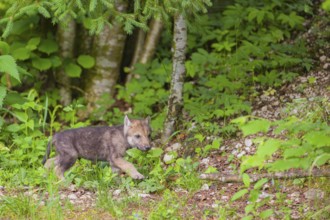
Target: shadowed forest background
point(233, 88)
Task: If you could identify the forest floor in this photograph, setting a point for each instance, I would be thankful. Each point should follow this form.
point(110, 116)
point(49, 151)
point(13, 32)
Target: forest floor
point(212, 201)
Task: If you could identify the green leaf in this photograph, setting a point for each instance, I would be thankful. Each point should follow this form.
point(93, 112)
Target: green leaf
point(86, 61)
point(216, 143)
point(155, 153)
point(246, 180)
point(252, 161)
point(286, 164)
point(48, 46)
point(8, 65)
point(255, 126)
point(3, 93)
point(44, 12)
point(326, 5)
point(199, 137)
point(268, 147)
point(249, 217)
point(13, 128)
point(240, 120)
point(134, 153)
point(318, 138)
point(295, 152)
point(33, 43)
point(4, 48)
point(249, 208)
point(22, 116)
point(21, 53)
point(211, 169)
point(322, 159)
point(56, 61)
point(260, 183)
point(239, 194)
point(73, 70)
point(42, 63)
point(266, 214)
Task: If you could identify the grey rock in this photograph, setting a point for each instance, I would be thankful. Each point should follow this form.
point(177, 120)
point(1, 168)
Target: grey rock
point(72, 196)
point(314, 194)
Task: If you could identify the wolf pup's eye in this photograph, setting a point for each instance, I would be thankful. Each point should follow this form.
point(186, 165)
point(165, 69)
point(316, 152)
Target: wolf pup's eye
point(137, 136)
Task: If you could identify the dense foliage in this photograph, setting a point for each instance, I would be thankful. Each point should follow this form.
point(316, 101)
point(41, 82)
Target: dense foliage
point(234, 55)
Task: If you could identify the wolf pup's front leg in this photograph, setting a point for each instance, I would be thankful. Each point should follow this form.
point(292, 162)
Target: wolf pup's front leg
point(128, 168)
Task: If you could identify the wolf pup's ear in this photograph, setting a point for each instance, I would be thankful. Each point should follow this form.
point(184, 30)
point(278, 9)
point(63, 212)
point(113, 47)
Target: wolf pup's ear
point(147, 120)
point(127, 122)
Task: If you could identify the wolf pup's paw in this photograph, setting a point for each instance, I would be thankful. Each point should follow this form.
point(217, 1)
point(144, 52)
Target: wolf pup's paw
point(137, 176)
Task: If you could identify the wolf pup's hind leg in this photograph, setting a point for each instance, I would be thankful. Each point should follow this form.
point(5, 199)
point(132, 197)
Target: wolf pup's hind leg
point(65, 162)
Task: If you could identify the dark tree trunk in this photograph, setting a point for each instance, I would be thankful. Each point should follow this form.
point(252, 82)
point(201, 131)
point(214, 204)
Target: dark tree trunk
point(175, 102)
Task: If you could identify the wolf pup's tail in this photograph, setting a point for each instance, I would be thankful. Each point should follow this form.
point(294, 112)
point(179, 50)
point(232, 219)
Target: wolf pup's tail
point(47, 152)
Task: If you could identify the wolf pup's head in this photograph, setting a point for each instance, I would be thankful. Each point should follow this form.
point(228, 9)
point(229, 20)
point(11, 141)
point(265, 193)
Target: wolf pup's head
point(137, 133)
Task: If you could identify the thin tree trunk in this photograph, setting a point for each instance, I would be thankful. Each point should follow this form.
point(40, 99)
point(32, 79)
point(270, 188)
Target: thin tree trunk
point(151, 41)
point(108, 49)
point(139, 45)
point(175, 102)
point(146, 45)
point(225, 178)
point(66, 33)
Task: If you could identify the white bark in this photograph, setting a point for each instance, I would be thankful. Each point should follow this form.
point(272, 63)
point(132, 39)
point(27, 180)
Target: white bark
point(151, 40)
point(175, 102)
point(108, 49)
point(146, 45)
point(66, 33)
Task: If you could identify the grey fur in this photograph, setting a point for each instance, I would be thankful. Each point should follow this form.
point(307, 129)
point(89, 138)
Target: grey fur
point(99, 144)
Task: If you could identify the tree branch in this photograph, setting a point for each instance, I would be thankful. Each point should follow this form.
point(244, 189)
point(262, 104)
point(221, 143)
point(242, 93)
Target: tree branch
point(228, 178)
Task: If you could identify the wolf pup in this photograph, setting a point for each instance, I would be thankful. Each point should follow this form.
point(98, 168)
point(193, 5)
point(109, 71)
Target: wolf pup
point(99, 144)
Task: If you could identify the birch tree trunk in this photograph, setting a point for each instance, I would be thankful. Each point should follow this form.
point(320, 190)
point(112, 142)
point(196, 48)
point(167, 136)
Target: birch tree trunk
point(175, 101)
point(151, 41)
point(146, 45)
point(66, 33)
point(108, 49)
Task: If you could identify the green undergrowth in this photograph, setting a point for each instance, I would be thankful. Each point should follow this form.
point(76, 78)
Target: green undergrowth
point(254, 49)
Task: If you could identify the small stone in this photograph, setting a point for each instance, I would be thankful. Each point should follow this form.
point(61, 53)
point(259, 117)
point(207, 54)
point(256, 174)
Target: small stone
point(168, 158)
point(276, 103)
point(72, 188)
point(223, 148)
point(143, 195)
point(215, 205)
point(238, 145)
point(314, 194)
point(62, 196)
point(241, 154)
point(264, 108)
point(248, 142)
point(294, 195)
point(226, 198)
point(265, 195)
point(323, 58)
point(116, 192)
point(176, 146)
point(326, 66)
point(72, 196)
point(205, 161)
point(205, 187)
